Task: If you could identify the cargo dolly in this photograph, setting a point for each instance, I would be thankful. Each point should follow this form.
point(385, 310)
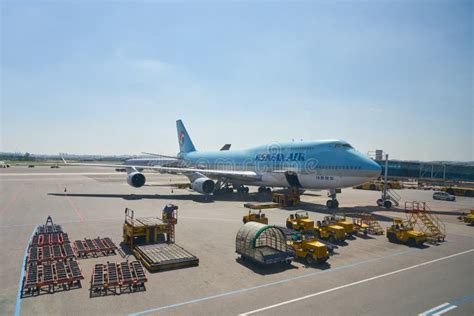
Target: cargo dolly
point(42, 278)
point(94, 247)
point(117, 278)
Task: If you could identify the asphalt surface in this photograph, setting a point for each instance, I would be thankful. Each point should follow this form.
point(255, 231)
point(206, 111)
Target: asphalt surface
point(365, 277)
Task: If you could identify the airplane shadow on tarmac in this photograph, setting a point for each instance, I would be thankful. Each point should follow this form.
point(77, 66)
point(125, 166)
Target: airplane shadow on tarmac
point(252, 197)
point(349, 211)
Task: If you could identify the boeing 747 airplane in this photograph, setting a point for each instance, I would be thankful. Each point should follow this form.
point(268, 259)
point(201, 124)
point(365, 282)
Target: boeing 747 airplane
point(322, 165)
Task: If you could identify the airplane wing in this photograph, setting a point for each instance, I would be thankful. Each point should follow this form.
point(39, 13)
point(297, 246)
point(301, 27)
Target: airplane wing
point(241, 175)
point(160, 155)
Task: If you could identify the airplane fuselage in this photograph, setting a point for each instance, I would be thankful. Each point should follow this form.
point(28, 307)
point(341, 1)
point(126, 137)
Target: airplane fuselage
point(327, 164)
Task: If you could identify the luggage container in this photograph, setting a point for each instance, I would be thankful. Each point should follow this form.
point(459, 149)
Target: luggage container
point(263, 244)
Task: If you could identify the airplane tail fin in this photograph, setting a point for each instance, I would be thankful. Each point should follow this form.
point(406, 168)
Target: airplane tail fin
point(185, 142)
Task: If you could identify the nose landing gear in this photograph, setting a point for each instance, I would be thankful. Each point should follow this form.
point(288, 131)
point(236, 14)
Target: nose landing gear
point(333, 202)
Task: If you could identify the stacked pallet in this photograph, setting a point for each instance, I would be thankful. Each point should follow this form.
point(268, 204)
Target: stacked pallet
point(50, 262)
point(117, 278)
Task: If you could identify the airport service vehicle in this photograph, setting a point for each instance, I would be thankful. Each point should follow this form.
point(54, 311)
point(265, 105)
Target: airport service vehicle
point(343, 222)
point(253, 216)
point(310, 249)
point(403, 232)
point(330, 232)
point(152, 240)
point(459, 191)
point(469, 218)
point(440, 195)
point(367, 224)
point(377, 185)
point(300, 221)
point(288, 199)
point(324, 165)
point(263, 244)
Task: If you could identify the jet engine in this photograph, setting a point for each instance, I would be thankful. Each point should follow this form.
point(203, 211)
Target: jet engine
point(136, 179)
point(203, 185)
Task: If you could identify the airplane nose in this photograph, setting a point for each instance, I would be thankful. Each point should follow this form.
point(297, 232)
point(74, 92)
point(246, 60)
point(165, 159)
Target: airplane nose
point(374, 168)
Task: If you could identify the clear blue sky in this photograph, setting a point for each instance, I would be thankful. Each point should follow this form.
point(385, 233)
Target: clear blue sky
point(113, 77)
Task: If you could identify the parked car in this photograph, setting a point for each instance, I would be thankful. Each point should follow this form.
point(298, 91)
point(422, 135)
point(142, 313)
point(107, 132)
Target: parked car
point(440, 195)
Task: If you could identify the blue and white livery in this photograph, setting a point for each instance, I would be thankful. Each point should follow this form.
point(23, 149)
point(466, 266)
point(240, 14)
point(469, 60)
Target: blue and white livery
point(323, 164)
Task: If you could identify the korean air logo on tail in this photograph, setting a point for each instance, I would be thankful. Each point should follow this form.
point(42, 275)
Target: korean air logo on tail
point(181, 138)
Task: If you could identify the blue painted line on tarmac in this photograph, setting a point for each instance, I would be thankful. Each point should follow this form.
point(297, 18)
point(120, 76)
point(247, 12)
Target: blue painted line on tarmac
point(22, 275)
point(206, 298)
point(446, 307)
point(463, 300)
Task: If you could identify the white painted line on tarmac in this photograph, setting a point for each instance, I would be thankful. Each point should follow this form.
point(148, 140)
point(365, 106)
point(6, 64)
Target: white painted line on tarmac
point(434, 309)
point(445, 310)
point(439, 310)
point(257, 287)
point(355, 283)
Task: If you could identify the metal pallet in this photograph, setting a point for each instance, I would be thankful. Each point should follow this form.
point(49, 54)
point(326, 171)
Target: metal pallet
point(94, 247)
point(37, 254)
point(117, 278)
point(41, 278)
point(44, 239)
point(164, 256)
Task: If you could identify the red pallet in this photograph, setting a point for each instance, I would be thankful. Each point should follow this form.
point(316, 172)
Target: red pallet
point(94, 247)
point(117, 278)
point(51, 277)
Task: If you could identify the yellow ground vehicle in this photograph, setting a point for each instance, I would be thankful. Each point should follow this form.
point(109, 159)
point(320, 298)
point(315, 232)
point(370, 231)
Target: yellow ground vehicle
point(331, 232)
point(310, 249)
point(459, 191)
point(378, 185)
point(300, 221)
point(360, 227)
point(152, 240)
point(252, 216)
point(403, 231)
point(343, 222)
point(367, 224)
point(290, 198)
point(469, 218)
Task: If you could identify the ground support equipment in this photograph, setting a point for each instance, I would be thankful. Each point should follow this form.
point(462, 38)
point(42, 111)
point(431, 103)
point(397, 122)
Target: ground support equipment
point(94, 247)
point(117, 278)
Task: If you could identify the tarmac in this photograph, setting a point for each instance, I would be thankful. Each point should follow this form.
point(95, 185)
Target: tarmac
point(365, 277)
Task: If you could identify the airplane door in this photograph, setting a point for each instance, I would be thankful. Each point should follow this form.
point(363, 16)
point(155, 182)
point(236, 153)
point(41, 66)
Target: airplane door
point(292, 179)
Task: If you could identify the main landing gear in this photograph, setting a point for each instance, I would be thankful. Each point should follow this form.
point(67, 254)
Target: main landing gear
point(241, 189)
point(223, 188)
point(333, 202)
point(264, 190)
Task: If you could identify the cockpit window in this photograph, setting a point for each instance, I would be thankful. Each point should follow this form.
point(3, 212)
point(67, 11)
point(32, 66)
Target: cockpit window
point(343, 146)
